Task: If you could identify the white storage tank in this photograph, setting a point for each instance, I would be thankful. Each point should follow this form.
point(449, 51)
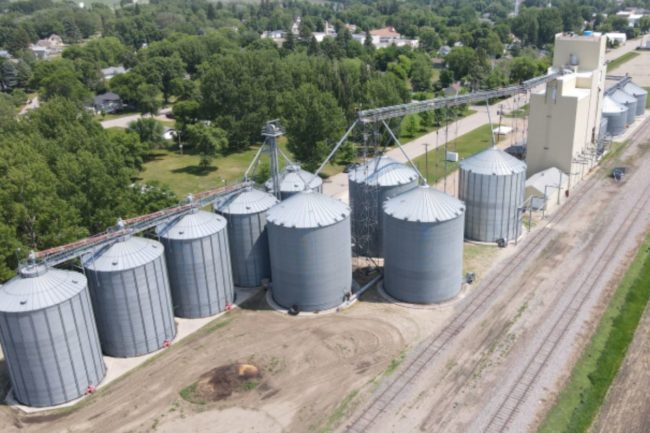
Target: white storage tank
point(198, 263)
point(628, 101)
point(640, 94)
point(492, 185)
point(310, 247)
point(129, 288)
point(293, 180)
point(423, 246)
point(49, 337)
point(616, 115)
point(247, 234)
point(370, 185)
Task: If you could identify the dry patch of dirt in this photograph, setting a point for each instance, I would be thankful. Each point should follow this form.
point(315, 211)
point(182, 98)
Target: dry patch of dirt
point(221, 382)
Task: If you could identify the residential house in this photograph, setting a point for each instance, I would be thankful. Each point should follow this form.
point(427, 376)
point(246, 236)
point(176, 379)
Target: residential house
point(387, 36)
point(108, 102)
point(47, 47)
point(444, 50)
point(274, 34)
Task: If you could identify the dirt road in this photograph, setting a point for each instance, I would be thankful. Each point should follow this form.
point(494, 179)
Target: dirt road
point(463, 385)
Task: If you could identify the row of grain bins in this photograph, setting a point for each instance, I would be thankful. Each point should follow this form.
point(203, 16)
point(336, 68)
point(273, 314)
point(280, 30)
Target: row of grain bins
point(621, 106)
point(55, 324)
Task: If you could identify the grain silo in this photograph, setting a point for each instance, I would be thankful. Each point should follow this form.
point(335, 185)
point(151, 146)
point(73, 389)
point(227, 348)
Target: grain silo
point(628, 101)
point(492, 184)
point(423, 246)
point(640, 94)
point(616, 115)
point(247, 234)
point(49, 336)
point(309, 243)
point(370, 185)
point(129, 288)
point(198, 262)
point(293, 180)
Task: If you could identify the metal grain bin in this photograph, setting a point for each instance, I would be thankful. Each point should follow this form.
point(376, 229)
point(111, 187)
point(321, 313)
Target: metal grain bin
point(370, 185)
point(423, 246)
point(129, 288)
point(309, 242)
point(492, 184)
point(247, 234)
point(616, 115)
point(628, 101)
point(293, 180)
point(640, 94)
point(198, 262)
point(49, 337)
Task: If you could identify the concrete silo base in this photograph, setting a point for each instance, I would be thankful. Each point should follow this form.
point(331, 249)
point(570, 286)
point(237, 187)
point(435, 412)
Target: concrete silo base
point(117, 367)
point(464, 290)
point(280, 309)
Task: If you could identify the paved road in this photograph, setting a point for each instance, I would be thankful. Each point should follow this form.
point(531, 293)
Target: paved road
point(123, 122)
point(337, 185)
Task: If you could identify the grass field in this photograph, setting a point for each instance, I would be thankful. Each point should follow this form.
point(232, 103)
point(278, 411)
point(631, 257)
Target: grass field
point(580, 401)
point(647, 102)
point(466, 145)
point(620, 60)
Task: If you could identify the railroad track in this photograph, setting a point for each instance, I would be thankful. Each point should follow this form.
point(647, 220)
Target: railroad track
point(518, 392)
point(431, 348)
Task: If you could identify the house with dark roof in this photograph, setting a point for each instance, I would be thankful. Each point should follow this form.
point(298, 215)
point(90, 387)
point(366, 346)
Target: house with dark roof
point(108, 102)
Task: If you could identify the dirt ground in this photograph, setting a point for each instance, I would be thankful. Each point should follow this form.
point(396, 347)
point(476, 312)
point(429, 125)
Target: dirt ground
point(638, 67)
point(308, 366)
point(627, 406)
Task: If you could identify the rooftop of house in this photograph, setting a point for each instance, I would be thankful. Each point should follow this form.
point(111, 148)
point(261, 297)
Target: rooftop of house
point(385, 31)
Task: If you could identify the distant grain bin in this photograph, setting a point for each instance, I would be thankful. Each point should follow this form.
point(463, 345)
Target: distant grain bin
point(293, 180)
point(640, 94)
point(370, 185)
point(309, 240)
point(247, 234)
point(129, 288)
point(628, 101)
point(616, 115)
point(423, 246)
point(49, 337)
point(198, 261)
point(492, 185)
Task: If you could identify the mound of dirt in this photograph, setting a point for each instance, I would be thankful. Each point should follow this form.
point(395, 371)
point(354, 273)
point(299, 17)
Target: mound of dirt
point(222, 382)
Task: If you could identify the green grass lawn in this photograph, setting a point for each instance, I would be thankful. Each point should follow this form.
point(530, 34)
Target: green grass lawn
point(580, 401)
point(620, 60)
point(647, 101)
point(466, 145)
point(519, 113)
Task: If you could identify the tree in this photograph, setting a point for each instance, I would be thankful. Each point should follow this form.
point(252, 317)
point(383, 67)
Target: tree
point(644, 23)
point(290, 42)
point(313, 49)
point(64, 84)
point(149, 99)
point(411, 125)
point(462, 61)
point(524, 68)
point(186, 113)
point(8, 75)
point(314, 122)
point(550, 23)
point(150, 132)
point(421, 73)
point(367, 42)
point(429, 39)
point(207, 140)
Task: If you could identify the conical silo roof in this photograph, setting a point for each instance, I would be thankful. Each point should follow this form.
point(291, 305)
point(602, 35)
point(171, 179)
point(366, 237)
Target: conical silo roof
point(294, 179)
point(194, 225)
point(38, 287)
point(634, 90)
point(248, 201)
point(493, 161)
point(308, 209)
point(610, 106)
point(382, 171)
point(623, 98)
point(424, 204)
point(127, 253)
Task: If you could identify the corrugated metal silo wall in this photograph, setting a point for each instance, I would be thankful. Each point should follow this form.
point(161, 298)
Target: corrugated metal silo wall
point(641, 101)
point(423, 261)
point(133, 308)
point(52, 354)
point(616, 123)
point(311, 268)
point(200, 274)
point(249, 248)
point(492, 205)
point(368, 223)
point(631, 111)
point(603, 126)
